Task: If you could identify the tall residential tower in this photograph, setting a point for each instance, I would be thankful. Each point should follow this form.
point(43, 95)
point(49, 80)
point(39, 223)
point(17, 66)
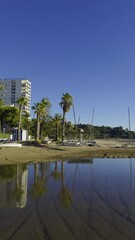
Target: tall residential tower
point(13, 89)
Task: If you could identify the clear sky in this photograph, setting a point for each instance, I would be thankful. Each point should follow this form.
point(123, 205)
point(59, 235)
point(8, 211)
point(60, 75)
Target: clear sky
point(84, 47)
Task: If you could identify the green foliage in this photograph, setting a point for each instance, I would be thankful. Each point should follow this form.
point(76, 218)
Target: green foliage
point(57, 122)
point(53, 127)
point(71, 131)
point(107, 132)
point(41, 109)
point(33, 127)
point(26, 122)
point(1, 103)
point(9, 116)
point(22, 101)
point(46, 127)
point(65, 104)
point(4, 135)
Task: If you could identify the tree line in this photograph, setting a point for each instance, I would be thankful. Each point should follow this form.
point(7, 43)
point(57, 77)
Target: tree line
point(55, 127)
point(43, 124)
point(106, 132)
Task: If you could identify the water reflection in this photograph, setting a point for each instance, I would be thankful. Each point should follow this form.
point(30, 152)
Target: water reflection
point(84, 199)
point(64, 195)
point(39, 186)
point(13, 185)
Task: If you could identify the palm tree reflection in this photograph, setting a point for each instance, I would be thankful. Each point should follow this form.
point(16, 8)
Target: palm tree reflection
point(38, 188)
point(56, 174)
point(8, 174)
point(64, 195)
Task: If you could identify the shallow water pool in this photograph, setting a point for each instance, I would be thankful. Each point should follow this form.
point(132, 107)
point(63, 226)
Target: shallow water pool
point(76, 200)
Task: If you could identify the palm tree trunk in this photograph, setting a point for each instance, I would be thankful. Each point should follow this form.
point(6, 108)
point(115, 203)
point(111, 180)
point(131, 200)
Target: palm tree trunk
point(56, 132)
point(63, 127)
point(19, 123)
point(1, 125)
point(38, 128)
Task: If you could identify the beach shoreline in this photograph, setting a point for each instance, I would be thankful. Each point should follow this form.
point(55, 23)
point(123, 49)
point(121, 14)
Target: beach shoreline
point(54, 152)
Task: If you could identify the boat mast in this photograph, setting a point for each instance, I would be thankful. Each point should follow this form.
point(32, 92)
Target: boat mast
point(129, 129)
point(75, 122)
point(74, 115)
point(129, 119)
point(91, 128)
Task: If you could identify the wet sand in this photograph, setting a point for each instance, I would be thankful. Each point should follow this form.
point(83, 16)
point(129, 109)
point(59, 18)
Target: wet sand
point(52, 152)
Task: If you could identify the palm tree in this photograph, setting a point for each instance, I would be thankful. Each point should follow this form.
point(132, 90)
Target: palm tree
point(57, 119)
point(40, 109)
point(65, 104)
point(26, 122)
point(21, 102)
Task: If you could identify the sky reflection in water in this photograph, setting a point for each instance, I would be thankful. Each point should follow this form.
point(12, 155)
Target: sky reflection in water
point(88, 199)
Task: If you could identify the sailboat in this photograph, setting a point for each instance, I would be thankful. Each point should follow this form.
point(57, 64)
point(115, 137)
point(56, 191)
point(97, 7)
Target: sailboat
point(90, 142)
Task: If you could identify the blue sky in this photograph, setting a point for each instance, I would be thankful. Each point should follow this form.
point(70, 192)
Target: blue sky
point(84, 47)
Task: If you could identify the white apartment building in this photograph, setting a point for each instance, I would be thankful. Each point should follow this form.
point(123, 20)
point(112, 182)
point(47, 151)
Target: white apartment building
point(13, 89)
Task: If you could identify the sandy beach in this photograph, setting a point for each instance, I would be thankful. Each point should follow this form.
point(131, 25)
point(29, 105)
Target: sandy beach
point(53, 152)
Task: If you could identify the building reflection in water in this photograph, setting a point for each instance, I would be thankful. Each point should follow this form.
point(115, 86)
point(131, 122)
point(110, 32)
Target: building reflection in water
point(21, 186)
point(13, 185)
